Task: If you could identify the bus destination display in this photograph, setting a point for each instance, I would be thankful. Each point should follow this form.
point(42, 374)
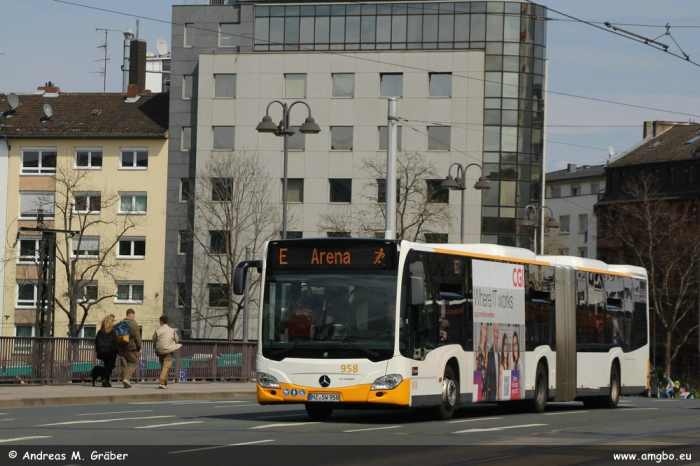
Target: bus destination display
point(331, 255)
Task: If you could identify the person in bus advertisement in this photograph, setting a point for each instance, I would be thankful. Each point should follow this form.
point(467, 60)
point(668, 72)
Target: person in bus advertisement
point(480, 363)
point(492, 367)
point(517, 388)
point(504, 370)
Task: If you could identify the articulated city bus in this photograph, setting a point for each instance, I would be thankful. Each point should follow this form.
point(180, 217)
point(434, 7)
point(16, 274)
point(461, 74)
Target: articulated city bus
point(358, 323)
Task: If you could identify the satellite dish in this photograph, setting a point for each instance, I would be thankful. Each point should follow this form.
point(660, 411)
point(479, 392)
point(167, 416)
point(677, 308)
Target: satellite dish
point(48, 111)
point(611, 151)
point(161, 46)
point(13, 100)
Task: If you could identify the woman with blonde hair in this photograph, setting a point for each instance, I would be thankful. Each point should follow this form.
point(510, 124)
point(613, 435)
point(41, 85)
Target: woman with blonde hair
point(106, 348)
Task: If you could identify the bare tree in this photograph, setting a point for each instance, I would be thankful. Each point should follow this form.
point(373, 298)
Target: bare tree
point(232, 212)
point(415, 211)
point(661, 236)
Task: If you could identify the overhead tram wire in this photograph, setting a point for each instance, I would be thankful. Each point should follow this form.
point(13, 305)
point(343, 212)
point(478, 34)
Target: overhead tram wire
point(330, 52)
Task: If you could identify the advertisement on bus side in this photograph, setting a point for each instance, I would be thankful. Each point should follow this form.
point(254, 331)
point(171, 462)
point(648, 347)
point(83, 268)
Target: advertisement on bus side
point(499, 329)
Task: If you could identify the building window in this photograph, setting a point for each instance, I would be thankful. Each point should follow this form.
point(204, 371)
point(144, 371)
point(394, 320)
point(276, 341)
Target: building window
point(563, 251)
point(86, 247)
point(436, 238)
point(440, 85)
point(222, 189)
point(27, 292)
point(228, 33)
point(134, 159)
point(341, 190)
point(381, 190)
point(88, 332)
point(341, 137)
point(87, 203)
point(564, 224)
point(186, 138)
point(439, 137)
point(88, 293)
point(38, 161)
point(218, 241)
point(343, 85)
point(132, 248)
point(183, 241)
point(133, 203)
point(556, 191)
point(188, 34)
point(29, 250)
point(295, 85)
point(30, 203)
point(23, 346)
point(436, 193)
point(576, 190)
point(225, 85)
point(224, 137)
point(583, 223)
point(583, 252)
point(181, 295)
point(297, 141)
point(293, 234)
point(384, 139)
point(187, 86)
point(595, 188)
point(219, 295)
point(338, 234)
point(689, 171)
point(184, 190)
point(295, 189)
point(391, 84)
point(86, 159)
point(129, 292)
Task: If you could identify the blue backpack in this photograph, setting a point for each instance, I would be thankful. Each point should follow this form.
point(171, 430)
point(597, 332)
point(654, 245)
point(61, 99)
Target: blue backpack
point(122, 330)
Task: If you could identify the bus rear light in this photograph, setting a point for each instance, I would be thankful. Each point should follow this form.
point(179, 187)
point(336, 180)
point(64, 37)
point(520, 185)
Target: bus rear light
point(266, 380)
point(387, 382)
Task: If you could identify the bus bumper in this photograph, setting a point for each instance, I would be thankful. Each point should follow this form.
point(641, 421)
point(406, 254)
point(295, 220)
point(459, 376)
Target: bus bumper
point(290, 393)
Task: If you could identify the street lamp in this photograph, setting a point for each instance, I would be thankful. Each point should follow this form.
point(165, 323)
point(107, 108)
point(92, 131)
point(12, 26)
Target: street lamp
point(535, 225)
point(460, 183)
point(285, 130)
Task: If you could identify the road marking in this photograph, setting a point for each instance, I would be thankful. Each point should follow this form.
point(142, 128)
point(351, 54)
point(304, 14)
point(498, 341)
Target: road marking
point(168, 425)
point(302, 413)
point(3, 414)
point(101, 420)
point(493, 429)
point(289, 424)
point(373, 428)
point(234, 406)
point(220, 446)
point(1, 420)
point(23, 438)
point(472, 420)
point(116, 412)
point(567, 412)
point(640, 409)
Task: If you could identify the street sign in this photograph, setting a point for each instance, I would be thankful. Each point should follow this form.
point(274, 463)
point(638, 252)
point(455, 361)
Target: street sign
point(183, 375)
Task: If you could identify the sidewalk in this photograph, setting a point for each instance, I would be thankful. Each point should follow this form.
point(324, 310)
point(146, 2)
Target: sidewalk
point(19, 395)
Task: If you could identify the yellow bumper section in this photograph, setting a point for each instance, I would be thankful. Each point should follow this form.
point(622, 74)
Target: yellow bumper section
point(290, 393)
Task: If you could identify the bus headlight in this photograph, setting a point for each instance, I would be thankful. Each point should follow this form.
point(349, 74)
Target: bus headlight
point(266, 380)
point(387, 382)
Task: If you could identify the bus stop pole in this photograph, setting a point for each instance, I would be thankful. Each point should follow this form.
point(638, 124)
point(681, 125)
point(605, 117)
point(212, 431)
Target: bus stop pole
point(390, 227)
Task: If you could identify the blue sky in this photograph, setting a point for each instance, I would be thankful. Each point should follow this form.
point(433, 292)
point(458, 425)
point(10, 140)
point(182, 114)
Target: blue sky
point(42, 40)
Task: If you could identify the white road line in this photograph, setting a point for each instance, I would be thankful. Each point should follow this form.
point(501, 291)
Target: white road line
point(302, 413)
point(235, 406)
point(373, 428)
point(289, 424)
point(567, 412)
point(639, 409)
point(220, 446)
point(116, 412)
point(493, 429)
point(19, 439)
point(168, 425)
point(1, 420)
point(472, 420)
point(3, 414)
point(101, 420)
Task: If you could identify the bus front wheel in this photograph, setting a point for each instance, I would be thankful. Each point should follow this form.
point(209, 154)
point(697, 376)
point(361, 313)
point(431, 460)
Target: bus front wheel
point(318, 412)
point(610, 400)
point(538, 403)
point(450, 395)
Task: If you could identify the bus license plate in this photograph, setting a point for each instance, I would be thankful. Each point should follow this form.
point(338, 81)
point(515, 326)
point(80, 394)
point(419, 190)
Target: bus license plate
point(324, 397)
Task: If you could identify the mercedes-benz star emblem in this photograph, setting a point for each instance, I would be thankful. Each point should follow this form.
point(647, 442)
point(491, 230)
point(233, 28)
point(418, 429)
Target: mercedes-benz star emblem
point(325, 381)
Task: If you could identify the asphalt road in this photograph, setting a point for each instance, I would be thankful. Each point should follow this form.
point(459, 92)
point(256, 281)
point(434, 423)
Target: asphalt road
point(188, 427)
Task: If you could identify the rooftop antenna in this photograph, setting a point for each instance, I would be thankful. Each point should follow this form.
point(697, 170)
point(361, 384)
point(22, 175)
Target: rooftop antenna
point(105, 59)
point(48, 111)
point(161, 47)
point(13, 100)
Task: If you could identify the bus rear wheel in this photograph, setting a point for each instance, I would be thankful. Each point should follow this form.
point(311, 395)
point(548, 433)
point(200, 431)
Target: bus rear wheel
point(450, 396)
point(538, 403)
point(610, 400)
point(319, 412)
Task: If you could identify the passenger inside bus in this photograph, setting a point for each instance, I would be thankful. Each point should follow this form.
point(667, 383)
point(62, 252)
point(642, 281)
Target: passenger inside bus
point(302, 315)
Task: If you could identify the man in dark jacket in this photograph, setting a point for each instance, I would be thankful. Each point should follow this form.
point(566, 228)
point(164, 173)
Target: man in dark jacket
point(129, 354)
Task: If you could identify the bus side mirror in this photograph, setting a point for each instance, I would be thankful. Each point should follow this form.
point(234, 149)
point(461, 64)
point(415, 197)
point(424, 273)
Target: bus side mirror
point(241, 273)
point(417, 296)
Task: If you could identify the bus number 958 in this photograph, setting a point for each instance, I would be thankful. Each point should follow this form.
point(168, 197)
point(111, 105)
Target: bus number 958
point(348, 368)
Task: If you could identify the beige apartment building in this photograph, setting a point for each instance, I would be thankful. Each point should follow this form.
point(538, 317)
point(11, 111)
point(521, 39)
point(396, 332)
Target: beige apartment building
point(95, 165)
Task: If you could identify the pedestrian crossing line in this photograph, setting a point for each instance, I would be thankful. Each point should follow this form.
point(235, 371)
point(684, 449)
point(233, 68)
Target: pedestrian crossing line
point(494, 429)
point(288, 424)
point(19, 439)
point(116, 412)
point(220, 446)
point(473, 420)
point(168, 425)
point(102, 420)
point(373, 428)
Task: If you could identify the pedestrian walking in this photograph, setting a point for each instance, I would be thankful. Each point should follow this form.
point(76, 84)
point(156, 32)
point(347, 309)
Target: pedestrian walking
point(106, 348)
point(165, 342)
point(130, 350)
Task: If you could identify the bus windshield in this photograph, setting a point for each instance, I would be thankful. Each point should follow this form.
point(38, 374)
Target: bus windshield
point(329, 314)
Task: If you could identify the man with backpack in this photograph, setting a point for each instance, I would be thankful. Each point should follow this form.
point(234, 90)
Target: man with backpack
point(128, 346)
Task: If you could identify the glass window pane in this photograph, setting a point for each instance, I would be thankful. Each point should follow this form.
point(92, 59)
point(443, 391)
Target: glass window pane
point(369, 10)
point(188, 34)
point(446, 28)
point(125, 204)
point(295, 85)
point(82, 159)
point(383, 141)
point(337, 30)
point(122, 292)
point(391, 85)
point(341, 137)
point(228, 35)
point(340, 190)
point(223, 137)
point(511, 30)
point(352, 9)
point(508, 193)
point(48, 159)
point(414, 29)
point(383, 9)
point(440, 84)
point(343, 84)
point(186, 142)
point(337, 10)
point(96, 158)
point(492, 138)
point(140, 248)
point(137, 292)
point(322, 30)
point(383, 28)
point(307, 31)
point(224, 85)
point(510, 85)
point(262, 31)
point(430, 28)
point(323, 10)
point(295, 189)
point(187, 86)
point(439, 137)
point(30, 159)
point(124, 248)
point(494, 28)
point(291, 30)
point(142, 159)
point(398, 29)
point(276, 31)
point(478, 28)
point(352, 29)
point(127, 159)
point(141, 202)
point(461, 28)
point(298, 141)
point(368, 25)
point(509, 139)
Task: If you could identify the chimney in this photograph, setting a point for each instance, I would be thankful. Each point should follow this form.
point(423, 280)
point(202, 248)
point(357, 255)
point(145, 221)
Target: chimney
point(49, 88)
point(132, 91)
point(571, 167)
point(137, 63)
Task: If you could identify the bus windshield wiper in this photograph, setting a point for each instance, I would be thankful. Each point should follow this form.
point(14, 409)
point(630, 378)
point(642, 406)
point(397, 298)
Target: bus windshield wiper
point(282, 351)
point(351, 343)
